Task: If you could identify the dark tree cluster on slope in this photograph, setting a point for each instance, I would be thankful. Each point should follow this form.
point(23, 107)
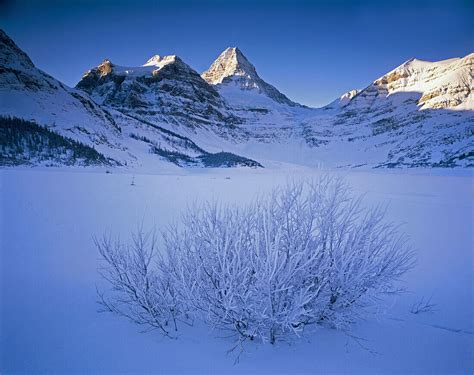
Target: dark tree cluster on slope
point(26, 142)
point(207, 159)
point(227, 160)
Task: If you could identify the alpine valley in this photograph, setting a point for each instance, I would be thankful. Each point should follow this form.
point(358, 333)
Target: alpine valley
point(164, 114)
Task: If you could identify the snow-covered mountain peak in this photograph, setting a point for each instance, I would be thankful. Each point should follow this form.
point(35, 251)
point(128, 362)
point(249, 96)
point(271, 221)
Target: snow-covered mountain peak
point(236, 78)
point(11, 56)
point(155, 59)
point(161, 108)
point(159, 61)
point(104, 68)
point(446, 84)
point(27, 92)
point(165, 89)
point(150, 68)
point(231, 63)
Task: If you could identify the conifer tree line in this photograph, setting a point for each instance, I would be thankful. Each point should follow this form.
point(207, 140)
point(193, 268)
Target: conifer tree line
point(26, 142)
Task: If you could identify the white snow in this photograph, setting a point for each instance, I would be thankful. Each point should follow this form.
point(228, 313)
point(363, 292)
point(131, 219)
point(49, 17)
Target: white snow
point(419, 114)
point(154, 64)
point(251, 97)
point(48, 274)
point(449, 81)
point(158, 61)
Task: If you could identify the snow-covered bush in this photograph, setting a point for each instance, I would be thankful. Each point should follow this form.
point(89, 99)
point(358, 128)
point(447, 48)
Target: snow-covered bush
point(308, 254)
point(140, 292)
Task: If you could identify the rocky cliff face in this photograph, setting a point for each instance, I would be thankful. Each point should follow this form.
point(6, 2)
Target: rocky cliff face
point(163, 90)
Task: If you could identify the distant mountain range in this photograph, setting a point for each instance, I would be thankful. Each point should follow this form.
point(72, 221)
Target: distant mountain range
point(420, 114)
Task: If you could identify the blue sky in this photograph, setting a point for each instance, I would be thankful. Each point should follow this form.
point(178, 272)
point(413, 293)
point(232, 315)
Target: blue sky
point(312, 51)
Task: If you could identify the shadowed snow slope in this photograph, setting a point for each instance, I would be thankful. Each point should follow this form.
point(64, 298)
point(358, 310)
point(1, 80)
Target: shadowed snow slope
point(29, 93)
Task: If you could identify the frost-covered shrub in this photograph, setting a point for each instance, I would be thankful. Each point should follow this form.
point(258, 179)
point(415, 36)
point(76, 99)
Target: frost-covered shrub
point(139, 290)
point(308, 254)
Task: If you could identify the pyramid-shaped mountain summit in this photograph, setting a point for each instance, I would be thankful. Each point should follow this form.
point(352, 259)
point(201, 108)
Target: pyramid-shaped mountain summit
point(232, 73)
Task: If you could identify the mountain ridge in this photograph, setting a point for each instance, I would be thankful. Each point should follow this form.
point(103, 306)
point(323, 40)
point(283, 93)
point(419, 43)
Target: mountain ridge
point(59, 112)
point(164, 88)
point(420, 114)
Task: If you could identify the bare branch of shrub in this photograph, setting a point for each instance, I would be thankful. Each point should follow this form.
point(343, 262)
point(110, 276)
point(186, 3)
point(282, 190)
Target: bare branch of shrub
point(308, 254)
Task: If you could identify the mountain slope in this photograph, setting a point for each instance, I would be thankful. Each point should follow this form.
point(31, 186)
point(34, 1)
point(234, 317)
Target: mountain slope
point(266, 114)
point(25, 142)
point(164, 90)
point(419, 114)
point(28, 93)
point(343, 99)
point(447, 84)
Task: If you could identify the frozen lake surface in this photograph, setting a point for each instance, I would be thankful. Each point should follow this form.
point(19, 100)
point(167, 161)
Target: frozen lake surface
point(48, 274)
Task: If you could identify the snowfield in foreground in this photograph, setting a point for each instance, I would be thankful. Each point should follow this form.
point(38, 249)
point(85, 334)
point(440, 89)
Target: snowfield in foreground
point(48, 276)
